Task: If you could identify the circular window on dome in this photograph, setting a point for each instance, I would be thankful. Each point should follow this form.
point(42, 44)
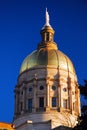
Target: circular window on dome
point(41, 87)
point(53, 87)
point(64, 89)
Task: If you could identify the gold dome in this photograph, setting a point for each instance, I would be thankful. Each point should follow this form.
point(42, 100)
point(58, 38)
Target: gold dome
point(47, 53)
point(47, 57)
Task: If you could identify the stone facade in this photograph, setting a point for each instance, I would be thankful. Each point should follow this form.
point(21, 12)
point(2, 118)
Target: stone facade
point(48, 78)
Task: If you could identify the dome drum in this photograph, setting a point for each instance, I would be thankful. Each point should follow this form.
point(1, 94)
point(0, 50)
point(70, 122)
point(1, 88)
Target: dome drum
point(45, 71)
point(47, 77)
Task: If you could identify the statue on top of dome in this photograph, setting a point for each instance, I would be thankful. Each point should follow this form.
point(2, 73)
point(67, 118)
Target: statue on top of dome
point(47, 18)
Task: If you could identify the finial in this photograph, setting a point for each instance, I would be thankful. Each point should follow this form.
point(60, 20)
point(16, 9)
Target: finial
point(47, 18)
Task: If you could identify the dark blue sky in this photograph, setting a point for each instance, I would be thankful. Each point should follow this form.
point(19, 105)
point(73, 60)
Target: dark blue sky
point(20, 25)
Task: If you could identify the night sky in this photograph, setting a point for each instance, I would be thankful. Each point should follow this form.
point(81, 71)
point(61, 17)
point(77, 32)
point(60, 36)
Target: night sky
point(20, 25)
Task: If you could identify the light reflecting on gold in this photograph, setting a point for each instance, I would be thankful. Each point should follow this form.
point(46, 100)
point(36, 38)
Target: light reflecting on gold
point(46, 56)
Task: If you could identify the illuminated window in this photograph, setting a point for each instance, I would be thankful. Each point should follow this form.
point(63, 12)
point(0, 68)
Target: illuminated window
point(53, 101)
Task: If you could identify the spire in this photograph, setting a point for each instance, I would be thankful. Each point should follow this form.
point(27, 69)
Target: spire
point(47, 18)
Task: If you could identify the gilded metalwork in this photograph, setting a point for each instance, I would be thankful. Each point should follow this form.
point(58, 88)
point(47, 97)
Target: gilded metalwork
point(50, 57)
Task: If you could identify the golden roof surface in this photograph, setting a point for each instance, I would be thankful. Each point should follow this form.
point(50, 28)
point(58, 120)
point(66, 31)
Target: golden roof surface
point(46, 57)
point(6, 126)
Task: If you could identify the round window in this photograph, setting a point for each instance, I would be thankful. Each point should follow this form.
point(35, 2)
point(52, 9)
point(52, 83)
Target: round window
point(41, 87)
point(53, 87)
point(64, 89)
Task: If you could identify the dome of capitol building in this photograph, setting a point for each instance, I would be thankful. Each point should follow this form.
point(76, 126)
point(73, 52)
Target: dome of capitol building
point(47, 94)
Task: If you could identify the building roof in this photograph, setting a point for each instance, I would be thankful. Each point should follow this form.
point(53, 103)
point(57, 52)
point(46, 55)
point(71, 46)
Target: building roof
point(6, 126)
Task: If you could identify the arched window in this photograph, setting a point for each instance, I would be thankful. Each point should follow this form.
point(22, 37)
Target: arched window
point(53, 101)
point(30, 89)
point(30, 105)
point(41, 102)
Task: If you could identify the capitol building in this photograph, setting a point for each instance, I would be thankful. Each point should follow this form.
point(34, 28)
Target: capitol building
point(47, 96)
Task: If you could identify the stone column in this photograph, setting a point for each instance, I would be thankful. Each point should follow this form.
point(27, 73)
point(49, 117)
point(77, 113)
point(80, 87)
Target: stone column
point(70, 93)
point(17, 101)
point(15, 110)
point(24, 99)
point(78, 99)
point(34, 95)
point(59, 97)
point(59, 94)
point(18, 93)
point(77, 102)
point(47, 96)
